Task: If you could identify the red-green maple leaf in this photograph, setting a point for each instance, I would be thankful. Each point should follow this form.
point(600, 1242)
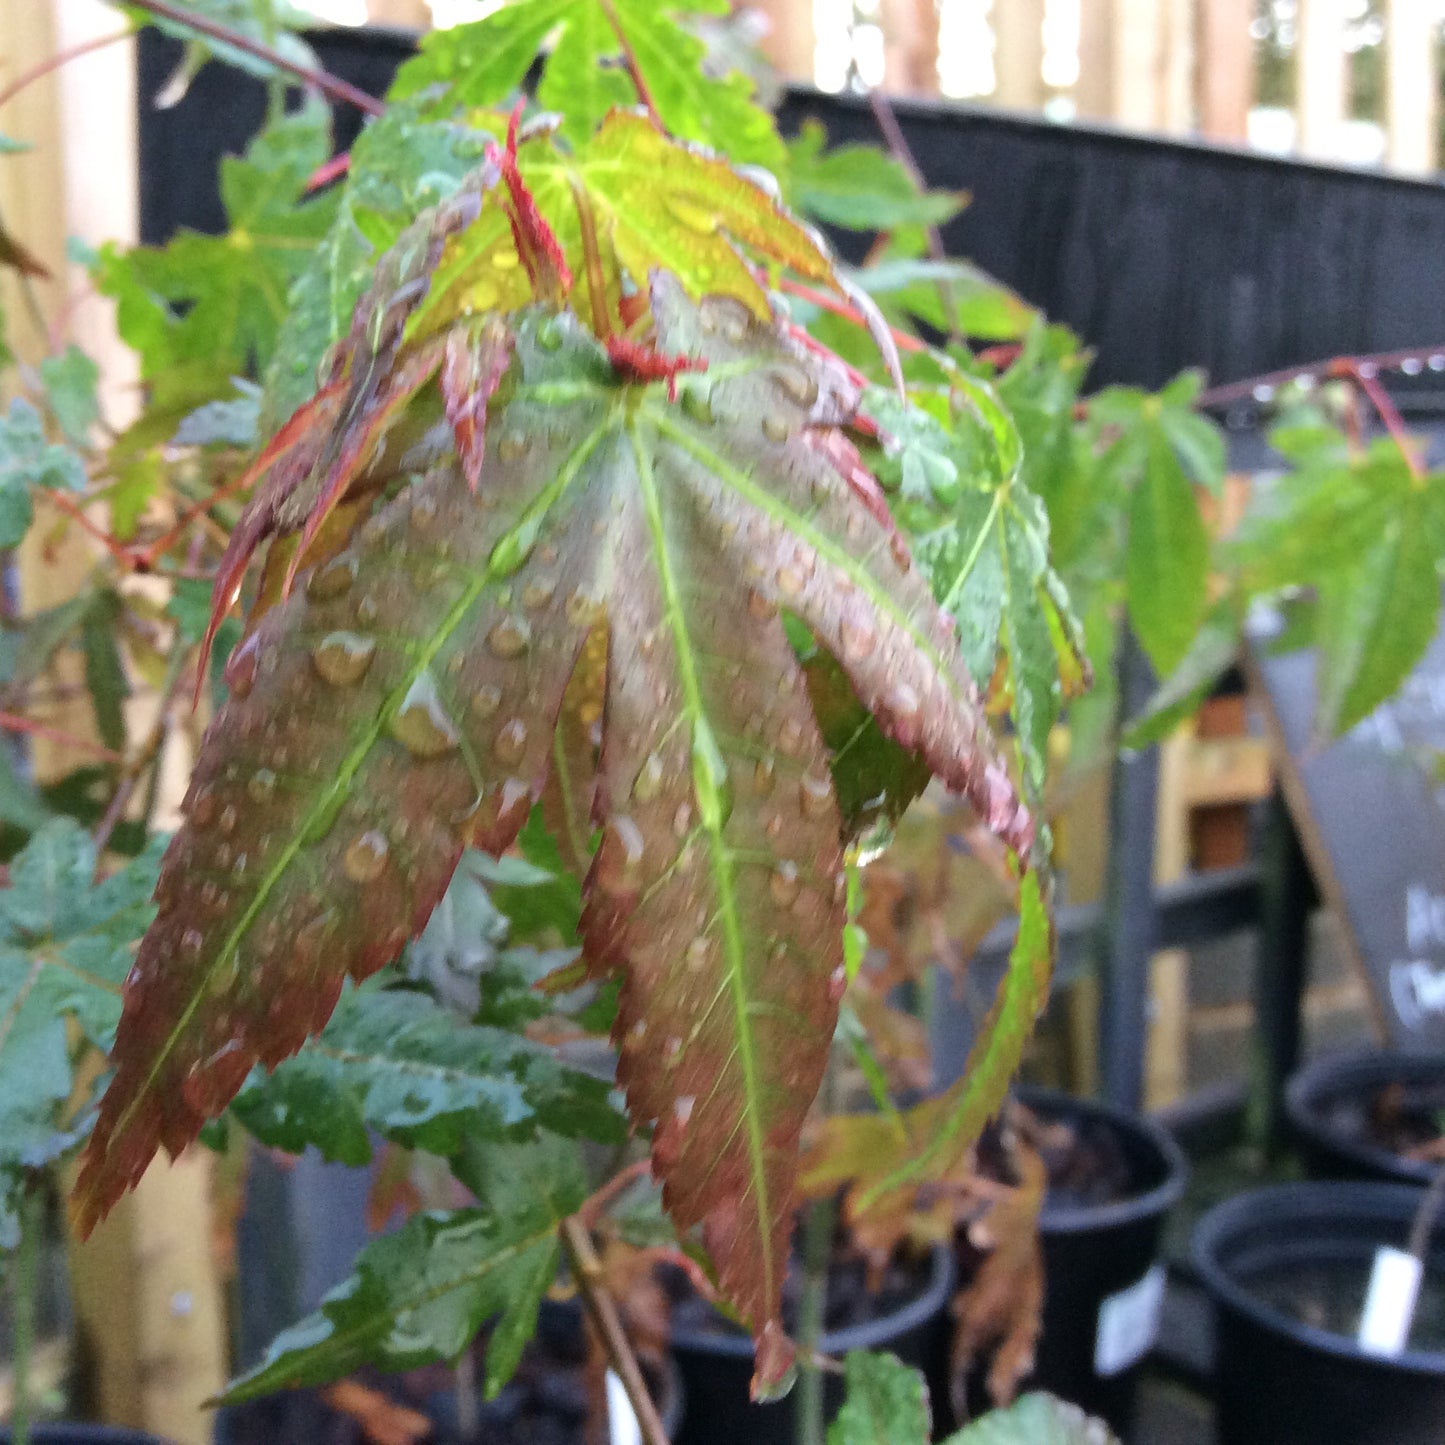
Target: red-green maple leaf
point(402, 702)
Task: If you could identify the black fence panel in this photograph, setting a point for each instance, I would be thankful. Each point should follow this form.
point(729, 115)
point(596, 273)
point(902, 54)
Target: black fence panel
point(1161, 255)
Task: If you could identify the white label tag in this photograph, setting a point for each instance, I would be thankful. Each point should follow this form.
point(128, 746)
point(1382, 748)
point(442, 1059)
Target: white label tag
point(1128, 1323)
point(622, 1426)
point(1389, 1302)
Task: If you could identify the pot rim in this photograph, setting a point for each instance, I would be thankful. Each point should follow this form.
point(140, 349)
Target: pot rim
point(1341, 1074)
point(1081, 1219)
point(1312, 1200)
point(869, 1335)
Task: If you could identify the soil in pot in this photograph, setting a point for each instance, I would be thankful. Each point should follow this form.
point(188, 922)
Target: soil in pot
point(854, 1299)
point(1329, 1295)
point(1403, 1119)
point(547, 1401)
point(901, 1309)
point(1286, 1268)
point(1112, 1178)
point(1371, 1116)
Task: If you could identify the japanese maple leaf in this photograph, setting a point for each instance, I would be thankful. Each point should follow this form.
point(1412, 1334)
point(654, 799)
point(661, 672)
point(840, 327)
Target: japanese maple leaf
point(401, 702)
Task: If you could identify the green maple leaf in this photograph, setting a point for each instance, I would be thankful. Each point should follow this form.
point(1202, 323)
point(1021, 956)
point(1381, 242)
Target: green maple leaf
point(1161, 451)
point(884, 1400)
point(422, 1293)
point(396, 1062)
point(982, 537)
point(272, 25)
point(28, 460)
point(402, 703)
point(401, 163)
point(1036, 1419)
point(202, 309)
point(484, 62)
point(860, 187)
point(1368, 536)
point(630, 200)
point(885, 1158)
point(65, 949)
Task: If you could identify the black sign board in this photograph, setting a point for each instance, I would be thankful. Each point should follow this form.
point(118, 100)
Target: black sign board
point(1370, 811)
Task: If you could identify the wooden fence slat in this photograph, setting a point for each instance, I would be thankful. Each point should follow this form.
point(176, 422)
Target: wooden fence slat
point(148, 1302)
point(789, 41)
point(1412, 81)
point(910, 46)
point(1322, 75)
point(1224, 70)
point(1018, 56)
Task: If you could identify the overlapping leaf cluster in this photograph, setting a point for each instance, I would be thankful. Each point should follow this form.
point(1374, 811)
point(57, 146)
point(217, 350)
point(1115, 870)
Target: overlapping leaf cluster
point(545, 552)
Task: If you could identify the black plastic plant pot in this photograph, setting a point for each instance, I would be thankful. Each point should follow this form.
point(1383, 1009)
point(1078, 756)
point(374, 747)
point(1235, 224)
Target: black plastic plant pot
point(717, 1367)
point(1103, 1278)
point(1329, 1103)
point(1291, 1383)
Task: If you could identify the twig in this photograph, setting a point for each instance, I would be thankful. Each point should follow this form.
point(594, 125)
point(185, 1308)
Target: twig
point(600, 1305)
point(1425, 1217)
point(600, 1198)
point(629, 59)
point(13, 723)
point(902, 152)
point(63, 57)
point(117, 549)
point(905, 340)
point(25, 1280)
point(323, 80)
point(149, 751)
point(818, 1225)
point(1262, 387)
point(1386, 409)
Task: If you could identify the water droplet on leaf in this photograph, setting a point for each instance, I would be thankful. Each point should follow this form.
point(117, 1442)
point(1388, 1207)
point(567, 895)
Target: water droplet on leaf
point(342, 658)
point(649, 779)
point(815, 795)
point(511, 742)
point(240, 673)
point(421, 724)
point(538, 592)
point(509, 637)
point(365, 859)
point(797, 385)
point(784, 885)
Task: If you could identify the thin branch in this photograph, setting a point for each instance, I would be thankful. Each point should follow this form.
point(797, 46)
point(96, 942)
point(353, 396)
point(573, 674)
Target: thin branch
point(62, 57)
point(1388, 412)
point(902, 152)
point(1423, 1225)
point(135, 768)
point(1262, 388)
point(629, 60)
point(600, 1198)
point(117, 549)
point(323, 80)
point(13, 723)
point(600, 1305)
point(905, 340)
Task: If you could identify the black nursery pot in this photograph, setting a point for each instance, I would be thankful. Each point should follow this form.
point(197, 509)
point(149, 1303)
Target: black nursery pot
point(717, 1367)
point(1289, 1383)
point(1327, 1104)
point(1103, 1280)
